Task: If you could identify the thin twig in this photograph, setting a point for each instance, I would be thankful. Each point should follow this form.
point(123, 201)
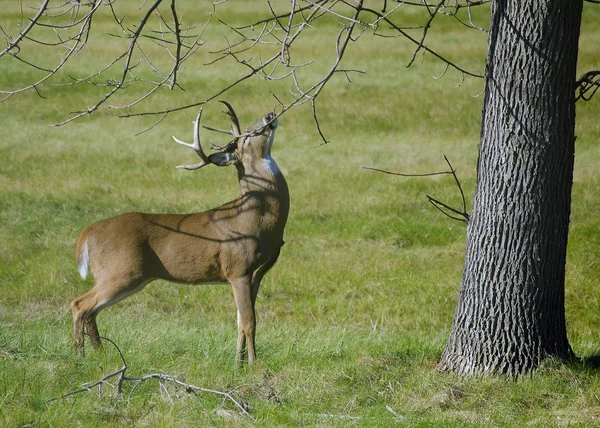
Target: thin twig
point(162, 378)
point(276, 35)
point(425, 29)
point(461, 215)
point(34, 21)
point(428, 174)
point(587, 85)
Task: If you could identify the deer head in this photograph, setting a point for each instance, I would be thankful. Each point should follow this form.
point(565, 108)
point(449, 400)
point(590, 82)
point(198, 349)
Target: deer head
point(255, 143)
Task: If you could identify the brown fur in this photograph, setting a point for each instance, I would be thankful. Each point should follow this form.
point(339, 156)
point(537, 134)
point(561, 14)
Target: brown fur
point(237, 242)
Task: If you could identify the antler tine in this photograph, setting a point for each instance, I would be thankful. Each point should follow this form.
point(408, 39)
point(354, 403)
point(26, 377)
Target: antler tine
point(195, 145)
point(235, 123)
point(222, 131)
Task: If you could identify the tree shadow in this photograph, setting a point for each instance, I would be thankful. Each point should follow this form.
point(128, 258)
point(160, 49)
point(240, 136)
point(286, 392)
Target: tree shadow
point(591, 361)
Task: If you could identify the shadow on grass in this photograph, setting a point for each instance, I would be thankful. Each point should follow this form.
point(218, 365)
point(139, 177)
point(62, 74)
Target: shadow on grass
point(592, 361)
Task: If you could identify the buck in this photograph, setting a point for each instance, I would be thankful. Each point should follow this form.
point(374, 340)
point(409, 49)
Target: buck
point(236, 243)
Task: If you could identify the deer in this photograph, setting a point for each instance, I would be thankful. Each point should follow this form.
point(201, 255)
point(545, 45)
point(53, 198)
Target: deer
point(235, 243)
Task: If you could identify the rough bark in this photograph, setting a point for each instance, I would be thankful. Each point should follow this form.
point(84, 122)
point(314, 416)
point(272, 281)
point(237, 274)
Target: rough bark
point(510, 313)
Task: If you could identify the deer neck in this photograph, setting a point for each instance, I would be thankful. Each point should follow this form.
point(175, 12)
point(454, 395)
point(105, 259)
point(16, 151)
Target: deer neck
point(261, 176)
point(263, 188)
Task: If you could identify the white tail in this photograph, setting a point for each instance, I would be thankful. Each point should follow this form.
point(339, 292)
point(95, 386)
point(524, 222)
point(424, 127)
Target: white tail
point(237, 242)
point(83, 260)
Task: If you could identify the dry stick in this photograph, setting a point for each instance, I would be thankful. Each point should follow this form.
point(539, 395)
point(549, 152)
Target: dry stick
point(317, 8)
point(162, 378)
point(316, 119)
point(178, 48)
point(428, 174)
point(313, 92)
point(395, 413)
point(436, 203)
point(253, 71)
point(464, 216)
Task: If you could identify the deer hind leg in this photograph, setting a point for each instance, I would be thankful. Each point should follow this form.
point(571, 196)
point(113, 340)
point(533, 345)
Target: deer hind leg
point(85, 309)
point(246, 320)
point(91, 329)
point(82, 307)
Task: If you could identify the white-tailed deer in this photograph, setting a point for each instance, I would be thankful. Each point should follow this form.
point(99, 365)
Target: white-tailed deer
point(236, 243)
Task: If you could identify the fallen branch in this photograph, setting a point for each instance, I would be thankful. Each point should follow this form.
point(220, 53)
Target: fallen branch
point(163, 379)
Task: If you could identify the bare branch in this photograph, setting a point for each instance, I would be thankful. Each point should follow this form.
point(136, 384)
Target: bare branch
point(428, 174)
point(79, 41)
point(432, 15)
point(425, 48)
point(34, 21)
point(587, 85)
point(120, 378)
point(464, 217)
point(461, 215)
point(263, 48)
point(316, 119)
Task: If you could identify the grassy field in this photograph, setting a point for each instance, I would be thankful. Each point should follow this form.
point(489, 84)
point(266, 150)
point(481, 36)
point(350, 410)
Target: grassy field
point(355, 314)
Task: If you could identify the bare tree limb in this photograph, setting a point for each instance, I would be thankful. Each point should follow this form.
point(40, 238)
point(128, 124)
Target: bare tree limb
point(459, 214)
point(428, 174)
point(432, 15)
point(34, 21)
point(160, 23)
point(404, 34)
point(587, 85)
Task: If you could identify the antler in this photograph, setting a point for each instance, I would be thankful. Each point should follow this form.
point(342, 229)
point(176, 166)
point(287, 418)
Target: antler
point(235, 131)
point(196, 146)
point(235, 124)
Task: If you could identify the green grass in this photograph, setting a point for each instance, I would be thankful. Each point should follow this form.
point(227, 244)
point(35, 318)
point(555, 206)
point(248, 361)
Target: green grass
point(355, 314)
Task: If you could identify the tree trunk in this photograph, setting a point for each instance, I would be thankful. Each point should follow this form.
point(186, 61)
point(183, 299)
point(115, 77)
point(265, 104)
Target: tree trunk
point(510, 313)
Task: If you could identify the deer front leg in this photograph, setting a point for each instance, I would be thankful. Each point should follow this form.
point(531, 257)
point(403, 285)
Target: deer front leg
point(246, 320)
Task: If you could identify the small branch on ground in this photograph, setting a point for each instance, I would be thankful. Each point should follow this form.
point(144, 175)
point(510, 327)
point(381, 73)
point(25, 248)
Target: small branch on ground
point(119, 378)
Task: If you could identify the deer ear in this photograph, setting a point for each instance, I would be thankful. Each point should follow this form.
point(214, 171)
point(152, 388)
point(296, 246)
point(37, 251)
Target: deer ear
point(223, 159)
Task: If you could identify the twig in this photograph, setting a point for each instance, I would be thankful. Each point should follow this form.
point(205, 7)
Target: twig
point(404, 34)
point(162, 378)
point(395, 413)
point(428, 174)
point(461, 215)
point(464, 217)
point(425, 29)
point(32, 23)
point(276, 35)
point(589, 82)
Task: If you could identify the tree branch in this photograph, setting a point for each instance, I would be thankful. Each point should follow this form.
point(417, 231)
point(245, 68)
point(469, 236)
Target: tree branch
point(587, 85)
point(461, 215)
point(34, 21)
point(161, 25)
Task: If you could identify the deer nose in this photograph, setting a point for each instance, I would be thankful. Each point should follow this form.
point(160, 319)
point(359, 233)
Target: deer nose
point(270, 119)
